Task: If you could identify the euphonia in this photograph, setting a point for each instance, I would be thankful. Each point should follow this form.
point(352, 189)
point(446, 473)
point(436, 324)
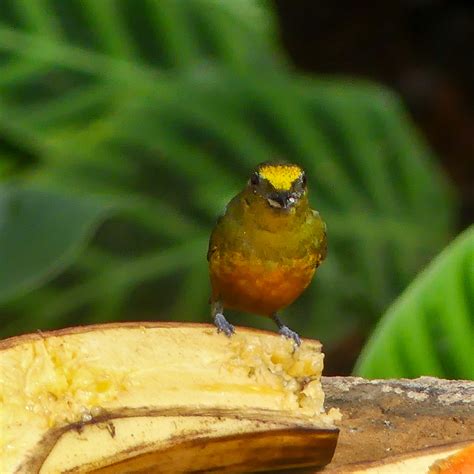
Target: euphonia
point(264, 250)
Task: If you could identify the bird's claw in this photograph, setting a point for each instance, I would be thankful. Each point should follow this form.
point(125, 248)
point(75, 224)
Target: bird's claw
point(223, 325)
point(290, 334)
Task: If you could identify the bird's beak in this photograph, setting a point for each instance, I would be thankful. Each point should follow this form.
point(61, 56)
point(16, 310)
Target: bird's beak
point(282, 200)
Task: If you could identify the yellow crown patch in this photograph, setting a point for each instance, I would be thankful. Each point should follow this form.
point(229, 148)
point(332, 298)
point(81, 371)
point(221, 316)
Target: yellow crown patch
point(280, 176)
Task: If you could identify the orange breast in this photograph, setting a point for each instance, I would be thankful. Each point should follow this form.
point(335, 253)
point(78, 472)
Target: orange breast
point(258, 287)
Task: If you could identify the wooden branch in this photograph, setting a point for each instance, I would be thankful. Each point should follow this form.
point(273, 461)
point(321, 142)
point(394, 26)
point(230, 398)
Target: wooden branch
point(386, 418)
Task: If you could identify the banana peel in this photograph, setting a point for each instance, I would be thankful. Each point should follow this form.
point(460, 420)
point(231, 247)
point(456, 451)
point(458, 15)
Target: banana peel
point(161, 397)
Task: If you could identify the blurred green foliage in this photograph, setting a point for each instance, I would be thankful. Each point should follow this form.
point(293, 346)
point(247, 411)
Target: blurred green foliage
point(157, 110)
point(40, 233)
point(429, 329)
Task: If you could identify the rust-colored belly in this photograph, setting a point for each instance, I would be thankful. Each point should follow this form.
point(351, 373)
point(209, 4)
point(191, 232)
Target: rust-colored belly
point(256, 286)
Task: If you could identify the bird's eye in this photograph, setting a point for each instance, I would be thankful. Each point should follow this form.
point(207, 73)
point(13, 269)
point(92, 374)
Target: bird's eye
point(303, 180)
point(255, 179)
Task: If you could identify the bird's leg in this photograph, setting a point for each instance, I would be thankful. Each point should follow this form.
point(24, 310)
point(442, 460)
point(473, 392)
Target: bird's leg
point(221, 323)
point(286, 331)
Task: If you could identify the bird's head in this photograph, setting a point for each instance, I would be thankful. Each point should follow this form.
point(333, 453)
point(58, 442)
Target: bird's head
point(282, 185)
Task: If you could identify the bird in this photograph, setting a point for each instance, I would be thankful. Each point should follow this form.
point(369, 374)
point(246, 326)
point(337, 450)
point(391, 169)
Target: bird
point(265, 248)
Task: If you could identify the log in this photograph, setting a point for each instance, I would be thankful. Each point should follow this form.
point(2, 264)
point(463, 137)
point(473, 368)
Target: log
point(385, 420)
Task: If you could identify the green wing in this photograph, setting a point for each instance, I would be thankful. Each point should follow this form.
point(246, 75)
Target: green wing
point(321, 241)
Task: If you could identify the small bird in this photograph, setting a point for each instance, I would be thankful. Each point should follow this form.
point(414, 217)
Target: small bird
point(264, 250)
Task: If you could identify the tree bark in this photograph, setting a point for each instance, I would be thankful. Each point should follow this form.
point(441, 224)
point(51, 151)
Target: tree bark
point(386, 418)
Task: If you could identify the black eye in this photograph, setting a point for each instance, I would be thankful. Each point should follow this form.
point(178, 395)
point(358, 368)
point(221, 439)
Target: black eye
point(255, 179)
point(303, 180)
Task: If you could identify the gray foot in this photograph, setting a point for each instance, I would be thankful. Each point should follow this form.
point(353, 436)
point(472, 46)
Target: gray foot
point(287, 332)
point(223, 325)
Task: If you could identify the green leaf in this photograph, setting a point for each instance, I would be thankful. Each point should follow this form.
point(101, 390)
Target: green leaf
point(429, 330)
point(40, 234)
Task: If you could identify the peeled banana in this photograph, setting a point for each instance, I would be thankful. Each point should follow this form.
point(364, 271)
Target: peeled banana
point(161, 397)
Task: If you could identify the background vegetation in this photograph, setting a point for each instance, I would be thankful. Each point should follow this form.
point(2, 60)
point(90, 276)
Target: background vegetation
point(126, 126)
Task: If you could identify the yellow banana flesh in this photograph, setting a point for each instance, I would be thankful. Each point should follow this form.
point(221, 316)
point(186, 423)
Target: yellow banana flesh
point(161, 397)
